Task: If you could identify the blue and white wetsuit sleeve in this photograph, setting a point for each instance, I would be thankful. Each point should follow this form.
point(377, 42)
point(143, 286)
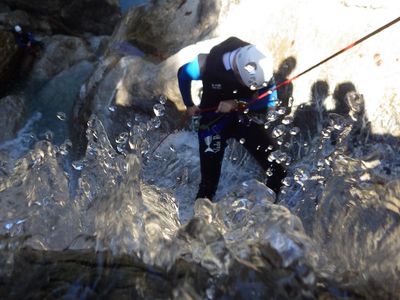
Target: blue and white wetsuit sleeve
point(270, 100)
point(187, 73)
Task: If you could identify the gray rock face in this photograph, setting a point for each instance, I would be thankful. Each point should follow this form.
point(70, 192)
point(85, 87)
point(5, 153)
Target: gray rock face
point(98, 17)
point(61, 52)
point(12, 109)
point(8, 60)
point(167, 26)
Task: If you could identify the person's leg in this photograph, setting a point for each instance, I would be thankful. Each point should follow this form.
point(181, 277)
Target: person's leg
point(212, 145)
point(257, 141)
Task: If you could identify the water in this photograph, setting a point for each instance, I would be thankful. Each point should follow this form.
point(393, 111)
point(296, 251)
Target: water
point(143, 207)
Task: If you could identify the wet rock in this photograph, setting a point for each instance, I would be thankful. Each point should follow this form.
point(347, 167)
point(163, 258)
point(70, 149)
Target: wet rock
point(4, 8)
point(121, 277)
point(164, 27)
point(12, 112)
point(10, 18)
point(61, 52)
point(28, 22)
point(9, 61)
point(97, 17)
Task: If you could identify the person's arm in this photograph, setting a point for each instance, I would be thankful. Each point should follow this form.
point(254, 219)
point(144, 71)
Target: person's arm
point(186, 73)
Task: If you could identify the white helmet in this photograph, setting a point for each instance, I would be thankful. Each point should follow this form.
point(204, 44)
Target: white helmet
point(17, 28)
point(254, 66)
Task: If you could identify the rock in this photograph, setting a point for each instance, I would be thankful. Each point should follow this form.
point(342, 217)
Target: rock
point(165, 27)
point(61, 52)
point(27, 21)
point(12, 111)
point(8, 61)
point(4, 8)
point(58, 95)
point(95, 16)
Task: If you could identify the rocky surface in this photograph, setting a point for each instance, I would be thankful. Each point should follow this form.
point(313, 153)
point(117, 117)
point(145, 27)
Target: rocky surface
point(165, 27)
point(96, 17)
point(12, 112)
point(8, 60)
point(61, 52)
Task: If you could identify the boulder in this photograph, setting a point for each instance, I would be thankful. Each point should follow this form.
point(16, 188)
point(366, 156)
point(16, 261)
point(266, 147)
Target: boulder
point(164, 27)
point(12, 112)
point(61, 52)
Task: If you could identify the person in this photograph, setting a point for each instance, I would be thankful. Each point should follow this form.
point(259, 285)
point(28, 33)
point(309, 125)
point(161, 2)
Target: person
point(232, 73)
point(26, 40)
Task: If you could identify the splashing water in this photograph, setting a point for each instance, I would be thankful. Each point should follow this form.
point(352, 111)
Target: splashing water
point(334, 227)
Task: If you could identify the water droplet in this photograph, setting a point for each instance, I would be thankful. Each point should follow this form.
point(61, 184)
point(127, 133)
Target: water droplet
point(294, 131)
point(270, 147)
point(8, 226)
point(287, 120)
point(269, 172)
point(121, 149)
point(242, 141)
point(258, 147)
point(61, 116)
point(300, 176)
point(111, 154)
point(162, 99)
point(77, 165)
point(326, 133)
point(281, 111)
point(235, 91)
point(320, 164)
point(253, 87)
point(290, 101)
point(112, 108)
point(278, 131)
point(172, 148)
point(49, 135)
point(122, 138)
point(159, 110)
point(20, 221)
point(64, 149)
point(271, 156)
point(282, 157)
point(129, 124)
point(246, 111)
point(266, 125)
point(155, 123)
point(272, 116)
point(287, 181)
